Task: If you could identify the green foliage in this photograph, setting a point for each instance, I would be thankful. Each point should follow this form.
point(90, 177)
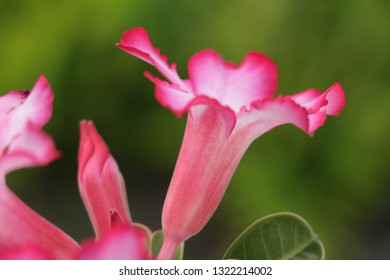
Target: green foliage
point(281, 236)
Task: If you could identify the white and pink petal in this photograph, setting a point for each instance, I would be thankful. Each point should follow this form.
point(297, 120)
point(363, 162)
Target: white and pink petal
point(315, 121)
point(23, 113)
point(336, 100)
point(268, 114)
point(311, 99)
point(32, 147)
point(233, 86)
point(137, 43)
point(332, 101)
point(171, 96)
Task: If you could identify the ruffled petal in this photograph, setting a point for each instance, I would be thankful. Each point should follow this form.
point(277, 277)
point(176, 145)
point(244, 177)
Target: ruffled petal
point(32, 147)
point(11, 101)
point(20, 227)
point(266, 115)
point(137, 43)
point(38, 106)
point(121, 243)
point(21, 107)
point(171, 96)
point(331, 101)
point(101, 184)
point(319, 104)
point(233, 86)
point(311, 99)
point(23, 114)
point(336, 100)
point(315, 121)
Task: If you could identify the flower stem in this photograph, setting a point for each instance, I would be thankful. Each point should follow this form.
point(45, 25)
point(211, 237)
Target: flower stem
point(168, 249)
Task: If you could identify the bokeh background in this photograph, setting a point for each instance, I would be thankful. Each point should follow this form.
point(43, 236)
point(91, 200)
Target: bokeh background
point(338, 180)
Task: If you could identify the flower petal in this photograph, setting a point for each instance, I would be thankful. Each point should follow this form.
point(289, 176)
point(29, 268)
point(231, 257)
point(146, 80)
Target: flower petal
point(20, 226)
point(22, 116)
point(171, 96)
point(233, 86)
point(101, 184)
point(315, 121)
point(38, 106)
point(336, 100)
point(311, 99)
point(32, 147)
point(21, 107)
point(318, 104)
point(331, 101)
point(11, 101)
point(266, 115)
point(121, 243)
point(137, 43)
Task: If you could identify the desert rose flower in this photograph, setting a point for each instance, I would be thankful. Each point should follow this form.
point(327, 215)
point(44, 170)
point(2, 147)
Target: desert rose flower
point(228, 107)
point(24, 234)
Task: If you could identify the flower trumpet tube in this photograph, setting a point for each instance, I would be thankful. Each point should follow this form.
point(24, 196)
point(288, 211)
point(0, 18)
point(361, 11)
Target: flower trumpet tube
point(228, 107)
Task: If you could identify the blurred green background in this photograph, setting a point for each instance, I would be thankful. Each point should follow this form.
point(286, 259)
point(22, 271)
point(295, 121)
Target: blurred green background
point(338, 180)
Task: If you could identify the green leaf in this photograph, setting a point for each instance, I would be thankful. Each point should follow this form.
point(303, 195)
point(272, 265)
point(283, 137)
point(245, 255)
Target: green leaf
point(156, 244)
point(280, 236)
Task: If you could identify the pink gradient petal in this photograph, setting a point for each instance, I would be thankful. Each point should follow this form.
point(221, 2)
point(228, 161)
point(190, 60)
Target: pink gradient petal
point(336, 100)
point(171, 96)
point(20, 226)
point(311, 99)
point(38, 106)
point(32, 147)
point(101, 184)
point(266, 115)
point(318, 104)
point(121, 243)
point(315, 121)
point(22, 143)
point(18, 108)
point(11, 101)
point(331, 101)
point(233, 86)
point(137, 43)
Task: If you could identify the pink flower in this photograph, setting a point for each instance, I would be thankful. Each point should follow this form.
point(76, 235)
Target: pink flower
point(229, 106)
point(24, 234)
point(24, 144)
